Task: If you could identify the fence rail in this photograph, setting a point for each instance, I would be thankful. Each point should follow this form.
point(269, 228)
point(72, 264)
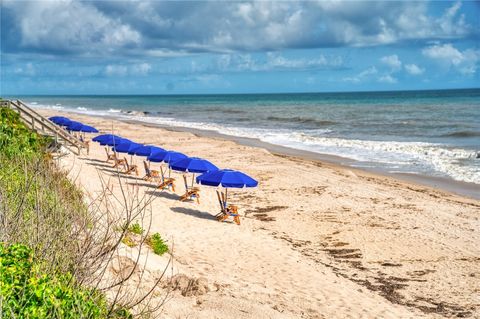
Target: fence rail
point(44, 126)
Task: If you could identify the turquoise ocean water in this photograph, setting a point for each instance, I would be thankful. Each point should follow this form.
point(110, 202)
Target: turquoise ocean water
point(435, 133)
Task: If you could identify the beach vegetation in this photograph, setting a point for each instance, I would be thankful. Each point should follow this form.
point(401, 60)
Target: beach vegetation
point(136, 229)
point(29, 292)
point(56, 244)
point(157, 244)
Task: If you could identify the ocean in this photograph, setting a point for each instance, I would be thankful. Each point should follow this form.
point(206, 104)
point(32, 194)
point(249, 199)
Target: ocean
point(434, 133)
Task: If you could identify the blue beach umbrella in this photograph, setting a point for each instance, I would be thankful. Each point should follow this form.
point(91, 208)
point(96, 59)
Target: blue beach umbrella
point(60, 120)
point(74, 126)
point(134, 147)
point(193, 165)
point(166, 157)
point(172, 157)
point(108, 139)
point(147, 150)
point(88, 129)
point(157, 155)
point(114, 141)
point(226, 178)
point(123, 146)
point(103, 137)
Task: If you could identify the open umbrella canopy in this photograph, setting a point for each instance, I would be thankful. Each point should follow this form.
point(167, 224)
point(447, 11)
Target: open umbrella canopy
point(60, 120)
point(102, 137)
point(227, 178)
point(124, 146)
point(88, 129)
point(74, 126)
point(108, 139)
point(133, 147)
point(146, 150)
point(172, 157)
point(193, 165)
point(157, 155)
point(166, 156)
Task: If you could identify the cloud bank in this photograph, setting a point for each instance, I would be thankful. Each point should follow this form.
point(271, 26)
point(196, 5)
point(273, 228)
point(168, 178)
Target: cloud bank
point(164, 28)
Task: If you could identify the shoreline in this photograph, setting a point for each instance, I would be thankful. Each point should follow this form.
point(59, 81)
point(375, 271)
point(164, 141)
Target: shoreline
point(469, 190)
point(445, 184)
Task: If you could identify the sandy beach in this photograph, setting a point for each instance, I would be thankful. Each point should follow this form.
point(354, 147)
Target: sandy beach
point(317, 240)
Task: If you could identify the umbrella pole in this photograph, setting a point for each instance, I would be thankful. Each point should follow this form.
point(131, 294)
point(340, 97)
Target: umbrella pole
point(226, 189)
point(193, 179)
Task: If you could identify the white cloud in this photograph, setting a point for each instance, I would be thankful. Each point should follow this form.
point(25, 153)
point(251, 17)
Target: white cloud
point(365, 74)
point(170, 28)
point(414, 69)
point(113, 70)
point(275, 61)
point(387, 78)
point(446, 52)
point(141, 69)
point(123, 70)
point(69, 26)
point(465, 62)
point(392, 61)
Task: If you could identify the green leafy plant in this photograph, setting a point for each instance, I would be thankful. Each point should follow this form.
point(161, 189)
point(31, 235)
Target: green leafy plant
point(27, 292)
point(157, 244)
point(15, 137)
point(136, 229)
point(50, 241)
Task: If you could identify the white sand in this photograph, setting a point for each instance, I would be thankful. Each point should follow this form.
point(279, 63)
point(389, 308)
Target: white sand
point(336, 233)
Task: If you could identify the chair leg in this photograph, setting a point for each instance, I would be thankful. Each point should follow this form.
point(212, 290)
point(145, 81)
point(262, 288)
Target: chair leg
point(236, 219)
point(222, 217)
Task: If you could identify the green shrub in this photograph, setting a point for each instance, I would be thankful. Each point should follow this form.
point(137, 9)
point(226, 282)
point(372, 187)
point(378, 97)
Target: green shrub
point(15, 138)
point(26, 292)
point(157, 244)
point(136, 229)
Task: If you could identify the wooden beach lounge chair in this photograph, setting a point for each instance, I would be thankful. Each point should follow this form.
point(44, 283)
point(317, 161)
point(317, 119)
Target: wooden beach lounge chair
point(120, 162)
point(190, 192)
point(150, 174)
point(86, 143)
point(166, 183)
point(227, 210)
point(130, 168)
point(110, 157)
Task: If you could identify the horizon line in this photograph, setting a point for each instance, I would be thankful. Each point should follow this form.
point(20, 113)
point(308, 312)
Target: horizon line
point(250, 93)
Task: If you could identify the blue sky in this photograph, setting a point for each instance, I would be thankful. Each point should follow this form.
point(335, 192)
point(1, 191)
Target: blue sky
point(156, 47)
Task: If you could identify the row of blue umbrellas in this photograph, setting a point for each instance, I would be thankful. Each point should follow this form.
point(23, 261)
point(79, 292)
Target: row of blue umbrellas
point(72, 125)
point(211, 174)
